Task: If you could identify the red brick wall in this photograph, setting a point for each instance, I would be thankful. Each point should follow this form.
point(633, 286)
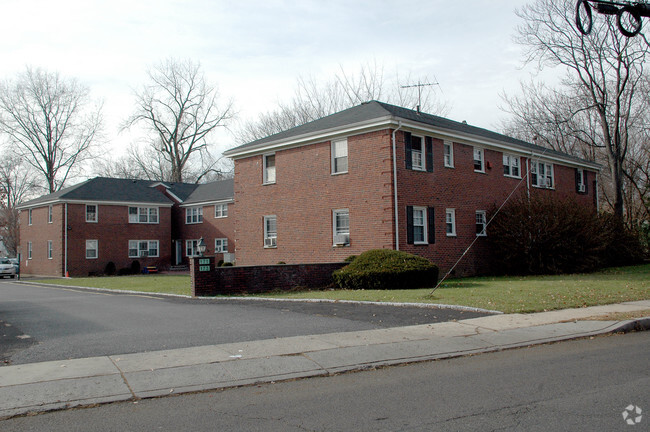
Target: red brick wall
point(305, 194)
point(112, 230)
point(211, 228)
point(258, 279)
point(303, 197)
point(39, 233)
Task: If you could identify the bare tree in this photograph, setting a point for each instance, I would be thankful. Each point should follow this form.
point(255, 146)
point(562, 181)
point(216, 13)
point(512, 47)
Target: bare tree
point(314, 99)
point(180, 110)
point(598, 103)
point(17, 183)
point(49, 121)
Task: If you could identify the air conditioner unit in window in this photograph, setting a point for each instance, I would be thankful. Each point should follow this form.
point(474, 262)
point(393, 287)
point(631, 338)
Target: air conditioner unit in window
point(341, 239)
point(270, 242)
point(549, 183)
point(581, 188)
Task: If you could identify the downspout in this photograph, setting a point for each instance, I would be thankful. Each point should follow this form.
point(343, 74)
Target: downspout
point(528, 176)
point(65, 247)
point(395, 187)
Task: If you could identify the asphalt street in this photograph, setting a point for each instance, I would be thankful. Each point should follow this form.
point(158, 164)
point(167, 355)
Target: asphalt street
point(47, 323)
point(581, 385)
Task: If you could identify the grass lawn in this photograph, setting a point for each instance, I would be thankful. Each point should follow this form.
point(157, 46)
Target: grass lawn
point(168, 284)
point(506, 294)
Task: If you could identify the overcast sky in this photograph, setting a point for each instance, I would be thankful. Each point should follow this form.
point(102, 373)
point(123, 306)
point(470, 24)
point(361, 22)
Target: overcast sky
point(255, 50)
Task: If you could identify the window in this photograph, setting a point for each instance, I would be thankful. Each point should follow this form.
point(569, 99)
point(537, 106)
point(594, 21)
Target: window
point(416, 153)
point(193, 215)
point(581, 184)
point(49, 249)
point(481, 223)
point(29, 249)
point(448, 148)
point(221, 210)
point(221, 245)
point(450, 219)
point(541, 174)
point(479, 163)
point(341, 227)
point(192, 248)
point(143, 248)
point(29, 216)
point(420, 227)
point(340, 157)
point(270, 232)
point(91, 213)
point(511, 166)
point(91, 249)
point(50, 214)
point(269, 168)
point(143, 215)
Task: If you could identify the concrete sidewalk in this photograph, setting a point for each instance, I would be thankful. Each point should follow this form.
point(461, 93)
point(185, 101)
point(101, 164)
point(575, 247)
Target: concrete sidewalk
point(68, 383)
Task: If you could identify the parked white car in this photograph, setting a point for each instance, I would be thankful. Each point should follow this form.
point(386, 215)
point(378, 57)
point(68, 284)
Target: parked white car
point(7, 268)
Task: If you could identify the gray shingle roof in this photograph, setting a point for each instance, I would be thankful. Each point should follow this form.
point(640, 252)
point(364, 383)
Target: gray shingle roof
point(375, 110)
point(216, 191)
point(102, 189)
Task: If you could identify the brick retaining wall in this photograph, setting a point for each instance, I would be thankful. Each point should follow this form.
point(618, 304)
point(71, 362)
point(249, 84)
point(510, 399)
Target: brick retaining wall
point(257, 279)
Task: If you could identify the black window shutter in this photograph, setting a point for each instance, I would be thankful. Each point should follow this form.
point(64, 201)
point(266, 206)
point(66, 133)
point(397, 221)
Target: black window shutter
point(429, 152)
point(408, 148)
point(409, 225)
point(432, 225)
point(584, 179)
point(577, 180)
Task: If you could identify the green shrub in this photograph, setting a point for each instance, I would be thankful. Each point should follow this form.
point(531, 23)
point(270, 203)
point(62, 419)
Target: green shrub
point(110, 269)
point(135, 267)
point(544, 235)
point(387, 269)
point(227, 264)
point(350, 258)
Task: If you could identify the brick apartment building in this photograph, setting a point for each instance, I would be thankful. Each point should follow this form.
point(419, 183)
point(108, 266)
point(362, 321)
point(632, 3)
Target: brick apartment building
point(80, 229)
point(372, 176)
point(382, 176)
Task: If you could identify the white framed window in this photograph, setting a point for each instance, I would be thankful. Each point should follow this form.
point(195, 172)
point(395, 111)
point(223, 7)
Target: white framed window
point(479, 160)
point(511, 166)
point(221, 245)
point(92, 249)
point(340, 156)
point(192, 248)
point(194, 215)
point(420, 225)
point(448, 149)
point(581, 186)
point(541, 175)
point(450, 221)
point(29, 250)
point(221, 210)
point(29, 217)
point(143, 248)
point(269, 168)
point(50, 214)
point(91, 213)
point(341, 227)
point(50, 249)
point(481, 223)
point(417, 153)
point(270, 231)
point(143, 215)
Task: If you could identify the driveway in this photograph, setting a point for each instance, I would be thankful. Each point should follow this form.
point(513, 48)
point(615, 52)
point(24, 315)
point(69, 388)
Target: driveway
point(48, 323)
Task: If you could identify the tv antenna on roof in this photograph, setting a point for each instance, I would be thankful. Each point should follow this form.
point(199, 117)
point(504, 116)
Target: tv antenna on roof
point(419, 86)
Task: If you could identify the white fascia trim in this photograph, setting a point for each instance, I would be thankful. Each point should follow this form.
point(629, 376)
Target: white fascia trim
point(105, 203)
point(474, 140)
point(391, 122)
point(311, 138)
point(207, 203)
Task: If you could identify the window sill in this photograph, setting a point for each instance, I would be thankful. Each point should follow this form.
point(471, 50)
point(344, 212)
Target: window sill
point(270, 247)
point(451, 235)
point(220, 217)
point(449, 166)
point(513, 177)
point(268, 183)
point(543, 187)
point(479, 172)
point(339, 173)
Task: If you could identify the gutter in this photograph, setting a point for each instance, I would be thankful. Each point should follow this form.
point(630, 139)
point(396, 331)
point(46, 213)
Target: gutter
point(395, 187)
